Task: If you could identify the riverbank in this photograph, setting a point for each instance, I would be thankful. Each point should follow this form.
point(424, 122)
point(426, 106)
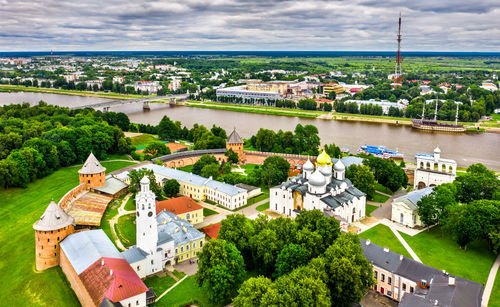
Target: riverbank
point(32, 89)
point(320, 114)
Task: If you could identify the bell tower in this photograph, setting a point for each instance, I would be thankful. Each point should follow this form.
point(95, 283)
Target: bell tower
point(235, 142)
point(146, 226)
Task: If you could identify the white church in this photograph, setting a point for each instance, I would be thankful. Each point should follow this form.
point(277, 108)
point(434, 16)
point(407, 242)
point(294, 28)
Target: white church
point(162, 239)
point(320, 189)
point(432, 170)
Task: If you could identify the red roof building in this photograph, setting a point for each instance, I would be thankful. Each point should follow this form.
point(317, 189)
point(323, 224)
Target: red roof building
point(112, 278)
point(178, 205)
point(323, 100)
point(212, 231)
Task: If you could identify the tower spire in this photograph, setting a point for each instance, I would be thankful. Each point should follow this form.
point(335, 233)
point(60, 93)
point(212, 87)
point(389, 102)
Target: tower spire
point(399, 58)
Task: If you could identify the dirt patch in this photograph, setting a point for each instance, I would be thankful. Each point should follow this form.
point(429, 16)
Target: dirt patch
point(369, 220)
point(173, 147)
point(132, 134)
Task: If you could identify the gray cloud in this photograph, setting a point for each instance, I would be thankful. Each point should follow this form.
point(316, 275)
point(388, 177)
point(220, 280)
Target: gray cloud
point(428, 25)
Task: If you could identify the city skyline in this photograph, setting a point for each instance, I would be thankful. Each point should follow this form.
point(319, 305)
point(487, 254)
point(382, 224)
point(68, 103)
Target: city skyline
point(362, 25)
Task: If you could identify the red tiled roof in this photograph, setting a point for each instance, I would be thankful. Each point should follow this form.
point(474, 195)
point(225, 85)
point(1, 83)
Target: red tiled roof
point(323, 100)
point(355, 89)
point(115, 280)
point(178, 205)
point(212, 231)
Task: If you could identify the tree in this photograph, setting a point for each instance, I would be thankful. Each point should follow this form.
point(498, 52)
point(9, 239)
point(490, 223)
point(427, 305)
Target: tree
point(167, 129)
point(478, 183)
point(289, 258)
point(156, 149)
point(333, 150)
point(171, 188)
point(265, 247)
point(232, 157)
point(221, 270)
point(362, 178)
point(204, 160)
point(306, 140)
point(136, 175)
point(238, 229)
point(210, 170)
point(252, 291)
point(274, 170)
point(349, 273)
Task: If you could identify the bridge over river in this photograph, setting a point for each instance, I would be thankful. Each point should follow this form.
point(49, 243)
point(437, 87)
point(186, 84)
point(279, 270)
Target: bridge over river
point(145, 101)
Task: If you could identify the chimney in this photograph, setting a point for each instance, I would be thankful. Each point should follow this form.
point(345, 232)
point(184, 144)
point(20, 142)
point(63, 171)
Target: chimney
point(436, 303)
point(451, 281)
point(400, 257)
point(368, 242)
point(386, 249)
point(111, 272)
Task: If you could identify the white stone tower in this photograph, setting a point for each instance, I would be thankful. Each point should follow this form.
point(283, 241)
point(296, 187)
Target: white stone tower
point(147, 232)
point(437, 154)
point(339, 169)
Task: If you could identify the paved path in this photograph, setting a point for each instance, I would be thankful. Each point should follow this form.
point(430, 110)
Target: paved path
point(408, 248)
point(491, 280)
point(385, 209)
point(114, 220)
point(169, 289)
point(250, 212)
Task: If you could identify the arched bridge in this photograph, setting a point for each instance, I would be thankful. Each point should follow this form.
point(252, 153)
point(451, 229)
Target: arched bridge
point(146, 100)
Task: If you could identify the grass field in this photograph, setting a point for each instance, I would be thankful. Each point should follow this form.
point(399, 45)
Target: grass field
point(370, 209)
point(187, 168)
point(208, 212)
point(186, 293)
point(495, 293)
point(441, 252)
point(111, 211)
point(379, 198)
point(159, 284)
point(383, 236)
point(263, 207)
point(125, 229)
point(21, 285)
point(143, 140)
point(130, 205)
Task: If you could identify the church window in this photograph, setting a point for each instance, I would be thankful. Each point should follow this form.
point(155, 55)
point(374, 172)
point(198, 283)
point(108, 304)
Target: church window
point(138, 268)
point(137, 303)
point(152, 262)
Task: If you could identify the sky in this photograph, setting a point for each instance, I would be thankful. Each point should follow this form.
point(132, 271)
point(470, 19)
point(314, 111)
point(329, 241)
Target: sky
point(260, 25)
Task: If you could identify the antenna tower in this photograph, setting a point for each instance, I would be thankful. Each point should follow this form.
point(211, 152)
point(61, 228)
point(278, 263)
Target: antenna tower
point(399, 58)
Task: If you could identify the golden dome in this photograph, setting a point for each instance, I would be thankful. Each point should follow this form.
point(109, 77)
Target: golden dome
point(323, 159)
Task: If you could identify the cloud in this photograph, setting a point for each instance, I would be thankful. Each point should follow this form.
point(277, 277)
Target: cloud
point(428, 25)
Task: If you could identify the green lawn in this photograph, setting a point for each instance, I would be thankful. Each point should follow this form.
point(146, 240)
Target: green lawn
point(208, 212)
point(383, 189)
point(495, 293)
point(443, 253)
point(125, 229)
point(379, 198)
point(263, 207)
point(383, 236)
point(254, 200)
point(186, 293)
point(130, 205)
point(111, 211)
point(369, 209)
point(143, 140)
point(178, 274)
point(159, 284)
point(20, 208)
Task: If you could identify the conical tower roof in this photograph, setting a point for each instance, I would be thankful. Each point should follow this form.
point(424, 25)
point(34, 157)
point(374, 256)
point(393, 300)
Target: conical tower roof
point(92, 166)
point(234, 138)
point(53, 218)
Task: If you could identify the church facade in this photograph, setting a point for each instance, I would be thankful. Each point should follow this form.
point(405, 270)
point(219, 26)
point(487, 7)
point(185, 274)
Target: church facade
point(320, 188)
point(162, 239)
point(432, 170)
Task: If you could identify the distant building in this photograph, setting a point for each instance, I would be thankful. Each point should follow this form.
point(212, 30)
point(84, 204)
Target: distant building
point(241, 91)
point(433, 170)
point(184, 207)
point(327, 88)
point(235, 143)
point(151, 87)
point(174, 84)
point(490, 86)
point(412, 283)
point(118, 79)
point(386, 105)
point(405, 209)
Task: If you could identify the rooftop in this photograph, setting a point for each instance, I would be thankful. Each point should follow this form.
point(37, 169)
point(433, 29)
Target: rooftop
point(179, 229)
point(53, 218)
point(178, 205)
point(234, 138)
point(91, 166)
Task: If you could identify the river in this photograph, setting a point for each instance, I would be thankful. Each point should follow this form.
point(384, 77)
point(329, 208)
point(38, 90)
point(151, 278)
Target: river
point(466, 149)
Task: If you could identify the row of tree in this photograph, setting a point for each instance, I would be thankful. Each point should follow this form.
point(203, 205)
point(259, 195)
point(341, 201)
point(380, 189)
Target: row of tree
point(303, 140)
point(35, 141)
point(303, 262)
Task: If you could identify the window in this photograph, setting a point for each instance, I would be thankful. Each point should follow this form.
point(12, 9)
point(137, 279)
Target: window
point(152, 262)
point(411, 289)
point(382, 277)
point(138, 268)
point(404, 287)
point(201, 243)
point(194, 244)
point(137, 303)
point(389, 293)
point(389, 280)
point(375, 274)
point(182, 249)
point(176, 250)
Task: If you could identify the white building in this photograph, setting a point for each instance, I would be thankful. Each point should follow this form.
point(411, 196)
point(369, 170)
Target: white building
point(386, 105)
point(490, 86)
point(320, 189)
point(405, 209)
point(432, 170)
point(242, 92)
point(174, 84)
point(151, 87)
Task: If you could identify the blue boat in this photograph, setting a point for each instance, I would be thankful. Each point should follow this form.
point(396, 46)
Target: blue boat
point(381, 152)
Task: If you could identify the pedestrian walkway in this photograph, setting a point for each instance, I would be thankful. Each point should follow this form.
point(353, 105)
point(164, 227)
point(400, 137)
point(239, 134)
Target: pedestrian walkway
point(408, 248)
point(169, 289)
point(114, 220)
point(490, 282)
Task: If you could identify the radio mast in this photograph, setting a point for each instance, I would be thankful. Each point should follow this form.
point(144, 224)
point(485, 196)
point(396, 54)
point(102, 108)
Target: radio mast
point(399, 58)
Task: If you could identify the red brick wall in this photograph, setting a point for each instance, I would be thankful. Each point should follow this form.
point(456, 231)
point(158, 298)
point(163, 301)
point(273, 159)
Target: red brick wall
point(71, 195)
point(76, 284)
point(93, 180)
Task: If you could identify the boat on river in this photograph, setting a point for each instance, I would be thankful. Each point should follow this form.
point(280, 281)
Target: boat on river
point(381, 152)
point(435, 125)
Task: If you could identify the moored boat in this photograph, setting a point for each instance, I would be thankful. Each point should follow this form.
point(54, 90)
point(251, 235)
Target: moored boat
point(381, 152)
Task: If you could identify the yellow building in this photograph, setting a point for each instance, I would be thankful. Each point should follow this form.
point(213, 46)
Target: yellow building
point(332, 87)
